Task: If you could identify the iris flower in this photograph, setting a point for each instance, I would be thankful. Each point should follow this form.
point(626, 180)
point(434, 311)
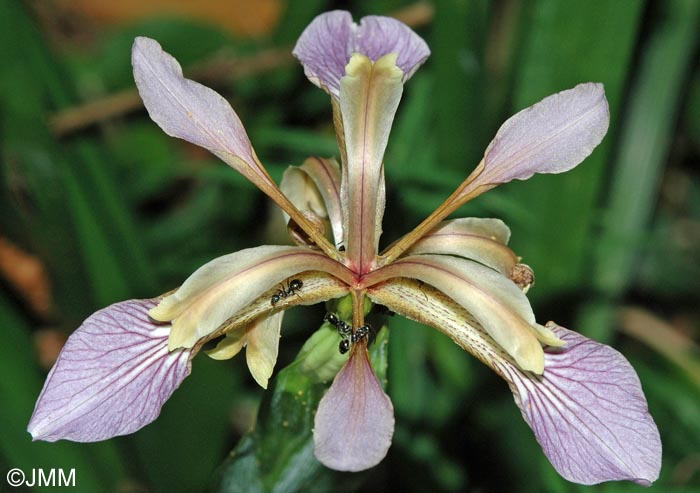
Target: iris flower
point(582, 399)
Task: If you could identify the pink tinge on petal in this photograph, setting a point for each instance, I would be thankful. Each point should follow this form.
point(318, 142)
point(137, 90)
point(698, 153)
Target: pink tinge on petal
point(354, 423)
point(551, 136)
point(112, 377)
point(589, 413)
point(326, 45)
point(186, 109)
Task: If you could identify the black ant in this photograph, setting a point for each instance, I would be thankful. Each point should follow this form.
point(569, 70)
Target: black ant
point(292, 288)
point(345, 330)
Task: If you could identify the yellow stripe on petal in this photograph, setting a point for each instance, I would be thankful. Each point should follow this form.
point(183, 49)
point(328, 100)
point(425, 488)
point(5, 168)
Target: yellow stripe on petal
point(369, 95)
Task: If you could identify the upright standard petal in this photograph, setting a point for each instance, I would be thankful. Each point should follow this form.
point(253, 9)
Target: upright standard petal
point(369, 96)
point(111, 378)
point(589, 413)
point(326, 45)
point(551, 136)
point(354, 423)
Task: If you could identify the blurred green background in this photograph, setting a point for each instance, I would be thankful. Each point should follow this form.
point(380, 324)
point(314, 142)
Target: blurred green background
point(98, 205)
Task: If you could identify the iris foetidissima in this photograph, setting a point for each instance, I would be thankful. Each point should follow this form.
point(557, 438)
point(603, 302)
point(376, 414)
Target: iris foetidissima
point(582, 399)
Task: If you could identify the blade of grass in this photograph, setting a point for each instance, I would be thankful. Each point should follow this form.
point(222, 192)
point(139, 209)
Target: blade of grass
point(567, 43)
point(645, 139)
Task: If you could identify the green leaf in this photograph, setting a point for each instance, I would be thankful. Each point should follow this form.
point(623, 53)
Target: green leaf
point(645, 140)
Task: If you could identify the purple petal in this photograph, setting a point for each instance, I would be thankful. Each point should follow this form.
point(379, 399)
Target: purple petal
point(188, 110)
point(111, 378)
point(552, 136)
point(355, 419)
point(589, 413)
point(326, 45)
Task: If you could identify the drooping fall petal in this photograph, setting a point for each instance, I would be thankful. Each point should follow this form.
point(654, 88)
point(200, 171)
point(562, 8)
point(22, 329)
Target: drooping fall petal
point(551, 136)
point(354, 423)
point(222, 287)
point(587, 410)
point(483, 240)
point(112, 377)
point(326, 45)
point(589, 413)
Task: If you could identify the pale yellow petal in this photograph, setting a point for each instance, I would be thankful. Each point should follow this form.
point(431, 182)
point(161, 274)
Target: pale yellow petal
point(263, 346)
point(483, 240)
point(494, 300)
point(547, 336)
point(219, 289)
point(229, 346)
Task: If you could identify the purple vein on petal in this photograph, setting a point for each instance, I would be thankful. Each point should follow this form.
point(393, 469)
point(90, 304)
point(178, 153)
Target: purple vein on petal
point(369, 96)
point(111, 378)
point(551, 136)
point(589, 413)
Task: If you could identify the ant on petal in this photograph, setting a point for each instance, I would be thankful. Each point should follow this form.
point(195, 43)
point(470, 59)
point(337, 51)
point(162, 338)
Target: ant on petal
point(292, 288)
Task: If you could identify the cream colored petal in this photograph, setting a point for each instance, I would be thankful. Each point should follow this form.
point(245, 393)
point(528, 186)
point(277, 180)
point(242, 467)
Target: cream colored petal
point(263, 346)
point(230, 345)
point(483, 240)
point(369, 95)
point(315, 186)
point(219, 289)
point(494, 300)
point(547, 336)
point(420, 302)
point(318, 287)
